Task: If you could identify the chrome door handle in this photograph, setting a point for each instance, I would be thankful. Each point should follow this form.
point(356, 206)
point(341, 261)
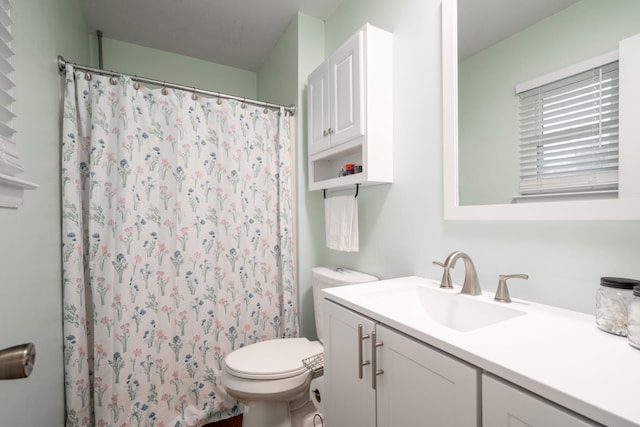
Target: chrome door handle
point(361, 363)
point(374, 360)
point(17, 362)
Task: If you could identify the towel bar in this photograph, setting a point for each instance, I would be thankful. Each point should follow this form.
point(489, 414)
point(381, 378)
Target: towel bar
point(324, 191)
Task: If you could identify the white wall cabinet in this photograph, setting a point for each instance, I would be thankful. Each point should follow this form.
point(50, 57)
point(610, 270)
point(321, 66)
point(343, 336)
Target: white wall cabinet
point(350, 111)
point(504, 405)
point(415, 384)
point(335, 97)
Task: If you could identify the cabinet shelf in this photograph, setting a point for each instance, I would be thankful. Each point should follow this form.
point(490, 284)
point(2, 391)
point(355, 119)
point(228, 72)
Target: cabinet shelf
point(12, 190)
point(340, 183)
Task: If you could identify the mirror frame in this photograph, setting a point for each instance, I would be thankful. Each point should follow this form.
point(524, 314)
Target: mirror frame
point(626, 207)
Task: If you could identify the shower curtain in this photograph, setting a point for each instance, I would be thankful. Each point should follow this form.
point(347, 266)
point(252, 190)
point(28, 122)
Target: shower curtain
point(177, 248)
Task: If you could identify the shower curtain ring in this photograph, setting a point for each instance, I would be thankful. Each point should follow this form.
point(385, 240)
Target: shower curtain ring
point(244, 104)
point(194, 95)
point(219, 100)
point(165, 90)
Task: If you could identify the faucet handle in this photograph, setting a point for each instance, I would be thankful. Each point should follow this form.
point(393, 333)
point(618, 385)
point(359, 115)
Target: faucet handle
point(502, 293)
point(446, 277)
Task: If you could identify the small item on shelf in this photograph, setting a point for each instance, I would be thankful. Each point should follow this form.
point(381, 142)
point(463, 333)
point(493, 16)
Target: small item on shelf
point(350, 169)
point(633, 322)
point(612, 304)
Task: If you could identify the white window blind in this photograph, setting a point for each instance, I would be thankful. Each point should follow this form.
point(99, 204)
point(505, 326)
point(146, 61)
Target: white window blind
point(9, 159)
point(11, 188)
point(569, 134)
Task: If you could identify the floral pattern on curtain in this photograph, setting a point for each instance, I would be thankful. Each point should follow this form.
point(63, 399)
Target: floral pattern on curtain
point(177, 248)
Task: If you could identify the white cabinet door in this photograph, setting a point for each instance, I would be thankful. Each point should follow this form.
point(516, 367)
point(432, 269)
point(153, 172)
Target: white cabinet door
point(421, 386)
point(335, 98)
point(346, 75)
point(504, 405)
point(349, 400)
point(318, 110)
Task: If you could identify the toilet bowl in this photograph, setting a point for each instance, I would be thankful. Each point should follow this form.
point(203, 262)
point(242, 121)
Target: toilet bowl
point(269, 377)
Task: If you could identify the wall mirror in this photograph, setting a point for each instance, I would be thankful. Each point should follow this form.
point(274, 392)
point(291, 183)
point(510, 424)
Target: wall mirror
point(481, 174)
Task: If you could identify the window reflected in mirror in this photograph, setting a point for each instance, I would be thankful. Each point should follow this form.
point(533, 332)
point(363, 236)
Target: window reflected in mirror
point(489, 132)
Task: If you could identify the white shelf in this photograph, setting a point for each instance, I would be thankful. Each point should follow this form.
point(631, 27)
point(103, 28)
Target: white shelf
point(340, 183)
point(12, 190)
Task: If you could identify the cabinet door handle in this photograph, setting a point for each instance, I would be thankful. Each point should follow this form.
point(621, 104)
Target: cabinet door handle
point(325, 132)
point(374, 360)
point(329, 131)
point(361, 363)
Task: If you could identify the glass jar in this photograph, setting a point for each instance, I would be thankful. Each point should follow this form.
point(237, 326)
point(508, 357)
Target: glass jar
point(633, 324)
point(612, 303)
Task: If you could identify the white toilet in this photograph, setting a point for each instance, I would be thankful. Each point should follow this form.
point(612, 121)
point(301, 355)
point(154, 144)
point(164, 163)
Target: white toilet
point(269, 378)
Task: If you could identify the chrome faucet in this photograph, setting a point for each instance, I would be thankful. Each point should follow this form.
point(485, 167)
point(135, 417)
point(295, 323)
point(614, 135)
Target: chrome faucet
point(471, 284)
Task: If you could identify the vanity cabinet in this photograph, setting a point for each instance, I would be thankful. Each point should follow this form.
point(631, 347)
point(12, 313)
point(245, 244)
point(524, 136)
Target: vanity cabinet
point(505, 405)
point(350, 112)
point(351, 400)
point(545, 367)
point(414, 383)
point(422, 385)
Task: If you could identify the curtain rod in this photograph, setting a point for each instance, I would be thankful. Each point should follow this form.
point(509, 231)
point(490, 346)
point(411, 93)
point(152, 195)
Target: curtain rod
point(62, 65)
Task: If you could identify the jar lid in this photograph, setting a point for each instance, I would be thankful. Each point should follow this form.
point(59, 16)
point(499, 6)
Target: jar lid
point(636, 291)
point(619, 282)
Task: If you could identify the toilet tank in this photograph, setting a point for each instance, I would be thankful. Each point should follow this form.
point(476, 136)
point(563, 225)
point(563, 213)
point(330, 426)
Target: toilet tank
point(324, 277)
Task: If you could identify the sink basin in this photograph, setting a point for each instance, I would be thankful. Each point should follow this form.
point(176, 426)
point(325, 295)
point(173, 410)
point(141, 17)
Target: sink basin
point(419, 302)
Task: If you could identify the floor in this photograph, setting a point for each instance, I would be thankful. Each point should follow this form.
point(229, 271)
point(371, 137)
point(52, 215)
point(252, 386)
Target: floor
point(231, 422)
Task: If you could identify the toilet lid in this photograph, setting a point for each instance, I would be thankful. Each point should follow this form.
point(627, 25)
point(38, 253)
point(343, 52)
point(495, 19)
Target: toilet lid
point(273, 359)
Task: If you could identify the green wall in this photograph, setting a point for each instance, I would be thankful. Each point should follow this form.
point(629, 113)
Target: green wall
point(310, 55)
point(488, 105)
point(282, 79)
point(277, 77)
point(401, 224)
point(31, 303)
point(156, 64)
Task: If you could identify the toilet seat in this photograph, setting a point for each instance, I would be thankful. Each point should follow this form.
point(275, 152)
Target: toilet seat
point(271, 360)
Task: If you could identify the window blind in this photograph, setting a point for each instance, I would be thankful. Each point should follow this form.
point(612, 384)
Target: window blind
point(11, 188)
point(9, 159)
point(569, 134)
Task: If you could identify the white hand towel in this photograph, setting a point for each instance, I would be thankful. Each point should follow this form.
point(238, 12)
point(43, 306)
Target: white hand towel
point(341, 220)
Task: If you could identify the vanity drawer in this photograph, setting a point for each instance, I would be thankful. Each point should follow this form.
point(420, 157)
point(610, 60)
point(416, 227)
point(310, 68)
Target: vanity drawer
point(506, 405)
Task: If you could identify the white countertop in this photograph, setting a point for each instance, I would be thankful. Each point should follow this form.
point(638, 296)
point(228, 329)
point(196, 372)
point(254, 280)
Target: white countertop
point(558, 354)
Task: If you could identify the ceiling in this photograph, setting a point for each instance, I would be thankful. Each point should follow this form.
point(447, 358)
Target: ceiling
point(237, 33)
point(242, 33)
